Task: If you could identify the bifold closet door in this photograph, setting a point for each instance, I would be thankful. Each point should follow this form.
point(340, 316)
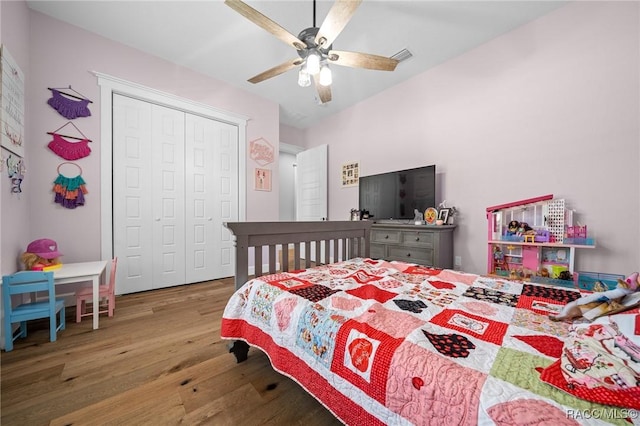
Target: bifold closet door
point(148, 195)
point(175, 183)
point(211, 197)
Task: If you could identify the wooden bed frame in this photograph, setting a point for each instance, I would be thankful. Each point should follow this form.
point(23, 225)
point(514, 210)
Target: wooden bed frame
point(331, 238)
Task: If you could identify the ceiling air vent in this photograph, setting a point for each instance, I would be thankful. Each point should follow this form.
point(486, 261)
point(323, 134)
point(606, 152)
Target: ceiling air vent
point(402, 55)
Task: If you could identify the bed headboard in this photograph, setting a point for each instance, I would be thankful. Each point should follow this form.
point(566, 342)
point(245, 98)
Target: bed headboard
point(330, 237)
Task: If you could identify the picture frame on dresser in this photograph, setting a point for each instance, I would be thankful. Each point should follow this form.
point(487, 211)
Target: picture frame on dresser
point(443, 215)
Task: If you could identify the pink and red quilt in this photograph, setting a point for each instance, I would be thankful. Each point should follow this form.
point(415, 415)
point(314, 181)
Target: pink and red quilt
point(392, 343)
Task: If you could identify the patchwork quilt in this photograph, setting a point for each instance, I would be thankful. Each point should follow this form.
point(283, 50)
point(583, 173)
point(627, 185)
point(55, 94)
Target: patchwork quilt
point(393, 343)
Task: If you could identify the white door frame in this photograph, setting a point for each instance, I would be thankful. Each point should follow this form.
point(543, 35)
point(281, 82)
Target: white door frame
point(109, 85)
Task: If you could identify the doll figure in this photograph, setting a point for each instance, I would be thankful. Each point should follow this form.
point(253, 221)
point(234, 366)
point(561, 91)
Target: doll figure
point(578, 307)
point(525, 229)
point(41, 254)
point(512, 228)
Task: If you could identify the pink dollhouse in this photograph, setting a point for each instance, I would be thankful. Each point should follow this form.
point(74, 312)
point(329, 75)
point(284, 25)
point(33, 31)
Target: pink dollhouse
point(529, 236)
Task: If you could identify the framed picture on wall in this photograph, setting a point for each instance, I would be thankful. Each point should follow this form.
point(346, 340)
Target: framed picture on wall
point(262, 180)
point(350, 174)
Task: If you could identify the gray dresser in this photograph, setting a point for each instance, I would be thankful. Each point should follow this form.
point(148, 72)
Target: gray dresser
point(422, 244)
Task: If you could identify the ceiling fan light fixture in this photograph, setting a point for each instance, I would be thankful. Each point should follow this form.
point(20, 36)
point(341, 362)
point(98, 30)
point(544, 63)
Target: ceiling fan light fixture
point(313, 62)
point(325, 76)
point(304, 79)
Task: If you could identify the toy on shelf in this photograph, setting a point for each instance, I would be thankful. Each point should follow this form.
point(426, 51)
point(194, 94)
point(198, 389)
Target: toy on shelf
point(498, 256)
point(577, 235)
point(542, 236)
point(512, 228)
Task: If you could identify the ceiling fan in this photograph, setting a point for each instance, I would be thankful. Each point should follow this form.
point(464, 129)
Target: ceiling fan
point(314, 47)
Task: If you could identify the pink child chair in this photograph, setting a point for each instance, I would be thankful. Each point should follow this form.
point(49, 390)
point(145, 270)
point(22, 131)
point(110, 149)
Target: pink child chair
point(107, 291)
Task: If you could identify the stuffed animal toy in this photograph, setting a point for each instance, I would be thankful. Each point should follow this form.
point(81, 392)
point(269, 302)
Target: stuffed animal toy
point(41, 255)
point(610, 299)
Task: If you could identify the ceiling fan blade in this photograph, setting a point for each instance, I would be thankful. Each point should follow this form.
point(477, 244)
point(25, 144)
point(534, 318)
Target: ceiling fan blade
point(266, 23)
point(324, 92)
point(362, 60)
point(337, 18)
point(277, 70)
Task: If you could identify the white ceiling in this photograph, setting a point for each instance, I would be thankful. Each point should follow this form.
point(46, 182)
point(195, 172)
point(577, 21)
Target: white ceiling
point(211, 38)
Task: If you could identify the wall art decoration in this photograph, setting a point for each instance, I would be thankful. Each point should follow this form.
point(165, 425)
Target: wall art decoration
point(67, 149)
point(262, 180)
point(15, 171)
point(350, 174)
point(12, 104)
point(69, 102)
point(69, 191)
point(261, 151)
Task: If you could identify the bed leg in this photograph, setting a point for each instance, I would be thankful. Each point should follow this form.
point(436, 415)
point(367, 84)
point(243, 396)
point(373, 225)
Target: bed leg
point(240, 349)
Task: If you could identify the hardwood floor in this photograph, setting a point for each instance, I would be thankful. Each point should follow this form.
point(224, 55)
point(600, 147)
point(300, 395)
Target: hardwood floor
point(159, 361)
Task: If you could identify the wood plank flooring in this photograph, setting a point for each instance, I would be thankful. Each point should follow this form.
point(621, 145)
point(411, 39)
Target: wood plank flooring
point(158, 361)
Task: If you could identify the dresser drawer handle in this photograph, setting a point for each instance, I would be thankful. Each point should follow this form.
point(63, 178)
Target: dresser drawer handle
point(417, 238)
point(386, 237)
point(408, 254)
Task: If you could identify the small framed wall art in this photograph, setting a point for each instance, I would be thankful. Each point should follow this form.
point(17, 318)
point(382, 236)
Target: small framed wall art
point(350, 174)
point(262, 180)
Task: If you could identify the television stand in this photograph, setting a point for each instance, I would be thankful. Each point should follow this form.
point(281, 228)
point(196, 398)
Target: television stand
point(427, 245)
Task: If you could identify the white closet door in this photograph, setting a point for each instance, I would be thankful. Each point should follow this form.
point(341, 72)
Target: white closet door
point(175, 184)
point(211, 197)
point(167, 176)
point(132, 187)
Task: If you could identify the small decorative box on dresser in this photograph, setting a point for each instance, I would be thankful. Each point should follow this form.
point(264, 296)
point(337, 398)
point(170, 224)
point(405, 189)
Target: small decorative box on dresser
point(426, 245)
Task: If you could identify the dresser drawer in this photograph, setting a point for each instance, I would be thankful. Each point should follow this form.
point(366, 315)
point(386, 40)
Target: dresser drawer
point(412, 255)
point(376, 251)
point(385, 236)
point(418, 239)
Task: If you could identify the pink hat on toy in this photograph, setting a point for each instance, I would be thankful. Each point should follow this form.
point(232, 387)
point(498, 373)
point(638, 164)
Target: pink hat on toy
point(632, 282)
point(45, 248)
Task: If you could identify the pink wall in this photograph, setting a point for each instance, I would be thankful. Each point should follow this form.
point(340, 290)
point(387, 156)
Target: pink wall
point(14, 208)
point(551, 107)
point(62, 54)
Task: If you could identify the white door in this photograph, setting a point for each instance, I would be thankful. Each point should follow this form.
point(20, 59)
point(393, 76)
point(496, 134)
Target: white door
point(132, 207)
point(211, 197)
point(167, 196)
point(311, 184)
point(311, 188)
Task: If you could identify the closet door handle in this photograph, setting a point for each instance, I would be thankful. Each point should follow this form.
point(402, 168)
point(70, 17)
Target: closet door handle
point(210, 219)
point(157, 219)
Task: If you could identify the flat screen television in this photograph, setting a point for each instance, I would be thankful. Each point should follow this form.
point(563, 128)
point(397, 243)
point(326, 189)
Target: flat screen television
point(395, 195)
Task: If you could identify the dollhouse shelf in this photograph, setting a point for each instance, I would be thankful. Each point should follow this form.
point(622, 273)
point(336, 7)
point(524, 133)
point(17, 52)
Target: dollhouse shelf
point(557, 245)
point(529, 260)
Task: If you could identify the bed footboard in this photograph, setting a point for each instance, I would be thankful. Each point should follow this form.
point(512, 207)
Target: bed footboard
point(313, 242)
